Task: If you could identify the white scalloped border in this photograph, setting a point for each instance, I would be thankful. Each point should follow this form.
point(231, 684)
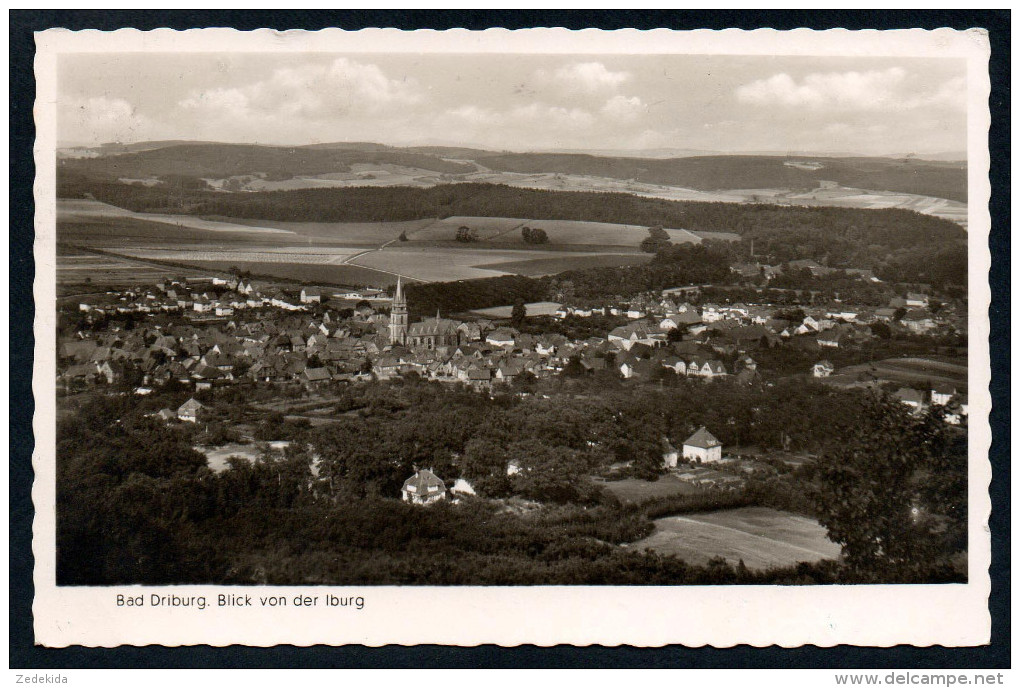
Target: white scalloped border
point(723, 616)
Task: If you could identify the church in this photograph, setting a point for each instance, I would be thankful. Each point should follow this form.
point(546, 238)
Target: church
point(430, 333)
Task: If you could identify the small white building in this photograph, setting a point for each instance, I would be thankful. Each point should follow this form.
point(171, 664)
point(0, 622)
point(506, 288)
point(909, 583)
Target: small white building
point(822, 369)
point(917, 300)
point(189, 410)
point(423, 488)
point(669, 454)
point(462, 486)
point(911, 398)
point(702, 447)
point(311, 295)
point(942, 394)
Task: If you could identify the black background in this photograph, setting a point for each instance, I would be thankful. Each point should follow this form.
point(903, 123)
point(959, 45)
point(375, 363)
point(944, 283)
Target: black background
point(23, 652)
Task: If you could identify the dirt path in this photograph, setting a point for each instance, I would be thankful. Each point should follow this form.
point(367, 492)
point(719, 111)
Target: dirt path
point(349, 260)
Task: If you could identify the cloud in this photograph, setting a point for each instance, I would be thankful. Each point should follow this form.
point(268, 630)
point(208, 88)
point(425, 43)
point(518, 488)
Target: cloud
point(101, 119)
point(524, 127)
point(535, 114)
point(887, 89)
point(623, 108)
point(310, 92)
point(587, 77)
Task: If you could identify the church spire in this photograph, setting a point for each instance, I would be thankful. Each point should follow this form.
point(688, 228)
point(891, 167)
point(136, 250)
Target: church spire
point(398, 316)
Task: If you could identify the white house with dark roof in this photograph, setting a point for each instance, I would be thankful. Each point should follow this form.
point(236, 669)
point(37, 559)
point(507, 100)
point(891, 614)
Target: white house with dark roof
point(311, 295)
point(702, 447)
point(189, 410)
point(423, 488)
point(910, 397)
point(942, 394)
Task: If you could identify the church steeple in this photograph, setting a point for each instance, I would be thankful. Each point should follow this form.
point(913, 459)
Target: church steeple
point(398, 316)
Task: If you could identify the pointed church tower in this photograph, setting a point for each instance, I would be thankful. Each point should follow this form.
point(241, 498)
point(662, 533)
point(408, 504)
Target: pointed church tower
point(398, 316)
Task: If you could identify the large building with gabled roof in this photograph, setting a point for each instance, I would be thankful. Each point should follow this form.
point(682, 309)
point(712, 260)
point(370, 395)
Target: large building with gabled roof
point(423, 488)
point(702, 447)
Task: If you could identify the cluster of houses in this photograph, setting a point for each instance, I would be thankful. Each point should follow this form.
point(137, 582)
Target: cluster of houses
point(946, 396)
point(218, 297)
point(314, 347)
point(298, 343)
point(425, 487)
point(770, 272)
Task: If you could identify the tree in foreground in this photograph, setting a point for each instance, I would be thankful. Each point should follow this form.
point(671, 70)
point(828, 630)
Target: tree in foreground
point(872, 489)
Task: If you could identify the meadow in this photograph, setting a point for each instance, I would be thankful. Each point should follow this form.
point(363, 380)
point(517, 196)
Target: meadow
point(507, 230)
point(441, 264)
point(635, 490)
point(485, 228)
point(762, 538)
point(89, 270)
point(911, 372)
point(325, 255)
point(348, 233)
point(335, 275)
point(533, 309)
point(339, 253)
point(537, 267)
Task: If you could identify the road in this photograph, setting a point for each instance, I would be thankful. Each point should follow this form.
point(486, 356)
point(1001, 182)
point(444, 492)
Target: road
point(349, 261)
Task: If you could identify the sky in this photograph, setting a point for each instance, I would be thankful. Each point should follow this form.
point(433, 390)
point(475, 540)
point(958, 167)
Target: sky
point(859, 105)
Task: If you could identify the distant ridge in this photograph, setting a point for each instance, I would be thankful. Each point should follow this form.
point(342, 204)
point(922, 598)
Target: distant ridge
point(471, 152)
point(907, 174)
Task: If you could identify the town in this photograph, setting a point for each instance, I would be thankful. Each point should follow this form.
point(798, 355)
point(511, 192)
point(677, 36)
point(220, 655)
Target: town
point(673, 425)
point(216, 331)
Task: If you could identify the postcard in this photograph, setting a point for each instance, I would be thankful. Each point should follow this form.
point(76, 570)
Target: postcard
point(512, 337)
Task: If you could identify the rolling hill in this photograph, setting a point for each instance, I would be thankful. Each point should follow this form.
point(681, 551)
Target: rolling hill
point(741, 174)
point(220, 161)
point(718, 172)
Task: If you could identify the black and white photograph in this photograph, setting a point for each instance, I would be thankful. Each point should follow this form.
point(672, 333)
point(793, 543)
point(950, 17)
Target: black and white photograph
point(516, 318)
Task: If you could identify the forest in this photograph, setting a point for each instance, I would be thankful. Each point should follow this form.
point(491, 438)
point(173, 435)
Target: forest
point(137, 504)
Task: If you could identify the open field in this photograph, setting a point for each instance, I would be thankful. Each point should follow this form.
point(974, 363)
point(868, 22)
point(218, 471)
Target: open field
point(284, 254)
point(78, 210)
point(846, 197)
point(360, 174)
point(341, 275)
point(565, 261)
point(550, 181)
point(537, 308)
point(346, 253)
point(95, 221)
point(445, 264)
point(635, 490)
point(485, 228)
point(599, 233)
point(217, 456)
point(99, 270)
point(507, 230)
point(354, 233)
point(435, 264)
point(763, 538)
point(912, 371)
